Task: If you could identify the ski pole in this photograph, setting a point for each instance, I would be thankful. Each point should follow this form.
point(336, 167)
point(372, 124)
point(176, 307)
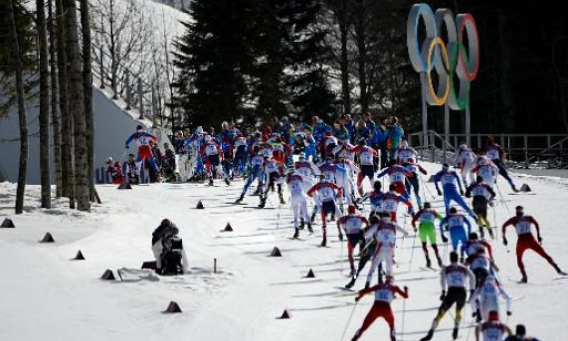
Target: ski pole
point(412, 252)
point(503, 199)
point(403, 315)
point(348, 321)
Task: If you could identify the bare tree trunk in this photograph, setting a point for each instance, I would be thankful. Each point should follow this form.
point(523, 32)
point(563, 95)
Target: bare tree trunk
point(43, 106)
point(66, 119)
point(54, 102)
point(76, 103)
point(360, 31)
point(345, 88)
point(88, 93)
point(23, 168)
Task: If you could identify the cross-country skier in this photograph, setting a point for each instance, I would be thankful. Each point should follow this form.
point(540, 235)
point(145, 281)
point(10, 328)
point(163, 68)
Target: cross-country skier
point(397, 176)
point(376, 199)
point(486, 299)
point(142, 140)
point(368, 251)
point(366, 156)
point(492, 330)
point(390, 201)
point(132, 170)
point(327, 193)
point(213, 153)
point(385, 234)
point(273, 170)
point(482, 196)
point(255, 172)
point(295, 182)
point(384, 294)
point(527, 241)
point(456, 278)
point(456, 222)
point(465, 160)
point(413, 182)
point(352, 224)
point(496, 154)
point(486, 170)
point(427, 230)
point(449, 179)
point(405, 153)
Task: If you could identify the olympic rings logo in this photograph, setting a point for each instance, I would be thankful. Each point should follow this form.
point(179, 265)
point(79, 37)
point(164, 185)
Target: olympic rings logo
point(444, 58)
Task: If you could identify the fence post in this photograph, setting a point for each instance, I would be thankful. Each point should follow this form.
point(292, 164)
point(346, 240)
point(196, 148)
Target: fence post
point(141, 100)
point(432, 147)
point(526, 149)
point(128, 91)
point(102, 68)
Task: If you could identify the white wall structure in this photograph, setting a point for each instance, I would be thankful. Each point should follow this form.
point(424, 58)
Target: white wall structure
point(113, 126)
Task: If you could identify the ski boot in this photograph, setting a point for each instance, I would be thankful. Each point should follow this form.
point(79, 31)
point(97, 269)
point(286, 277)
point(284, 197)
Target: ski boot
point(281, 196)
point(455, 332)
point(333, 217)
point(367, 285)
point(324, 242)
point(302, 224)
point(296, 234)
point(353, 271)
point(560, 271)
point(313, 217)
point(428, 262)
point(310, 228)
point(228, 181)
point(240, 199)
point(351, 283)
point(210, 181)
point(440, 263)
point(514, 188)
point(428, 336)
point(262, 203)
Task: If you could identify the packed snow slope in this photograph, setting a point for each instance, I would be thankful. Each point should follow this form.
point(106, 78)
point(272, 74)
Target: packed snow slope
point(47, 296)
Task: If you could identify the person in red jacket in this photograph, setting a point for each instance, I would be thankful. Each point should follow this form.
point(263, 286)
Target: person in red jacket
point(527, 241)
point(384, 294)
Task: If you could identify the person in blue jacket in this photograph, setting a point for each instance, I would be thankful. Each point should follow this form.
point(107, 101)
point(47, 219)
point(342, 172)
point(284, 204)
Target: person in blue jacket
point(449, 179)
point(455, 222)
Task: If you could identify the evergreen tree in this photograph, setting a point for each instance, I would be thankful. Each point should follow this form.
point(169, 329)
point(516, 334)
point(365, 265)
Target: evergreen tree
point(214, 60)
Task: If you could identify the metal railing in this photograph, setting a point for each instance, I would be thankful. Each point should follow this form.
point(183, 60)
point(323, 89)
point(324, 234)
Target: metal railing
point(520, 148)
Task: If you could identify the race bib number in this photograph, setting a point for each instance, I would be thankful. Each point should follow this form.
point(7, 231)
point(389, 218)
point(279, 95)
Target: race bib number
point(390, 205)
point(397, 177)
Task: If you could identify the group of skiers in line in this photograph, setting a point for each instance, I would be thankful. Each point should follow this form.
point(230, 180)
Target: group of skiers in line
point(337, 181)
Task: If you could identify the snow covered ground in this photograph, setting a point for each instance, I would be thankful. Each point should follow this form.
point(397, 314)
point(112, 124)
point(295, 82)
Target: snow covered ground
point(47, 296)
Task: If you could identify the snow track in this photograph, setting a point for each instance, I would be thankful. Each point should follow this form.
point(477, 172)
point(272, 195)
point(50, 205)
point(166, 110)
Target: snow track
point(46, 296)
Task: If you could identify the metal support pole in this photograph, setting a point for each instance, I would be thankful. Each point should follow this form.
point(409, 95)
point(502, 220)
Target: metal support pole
point(468, 125)
point(526, 149)
point(446, 129)
point(424, 110)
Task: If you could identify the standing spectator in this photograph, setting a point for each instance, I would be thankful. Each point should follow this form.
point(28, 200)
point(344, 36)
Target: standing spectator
point(394, 137)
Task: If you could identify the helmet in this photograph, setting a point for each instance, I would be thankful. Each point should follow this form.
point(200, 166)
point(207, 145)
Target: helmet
point(199, 130)
point(463, 146)
point(389, 279)
point(377, 185)
point(351, 209)
point(110, 160)
point(445, 166)
point(453, 210)
point(427, 205)
point(139, 127)
point(207, 138)
point(404, 144)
